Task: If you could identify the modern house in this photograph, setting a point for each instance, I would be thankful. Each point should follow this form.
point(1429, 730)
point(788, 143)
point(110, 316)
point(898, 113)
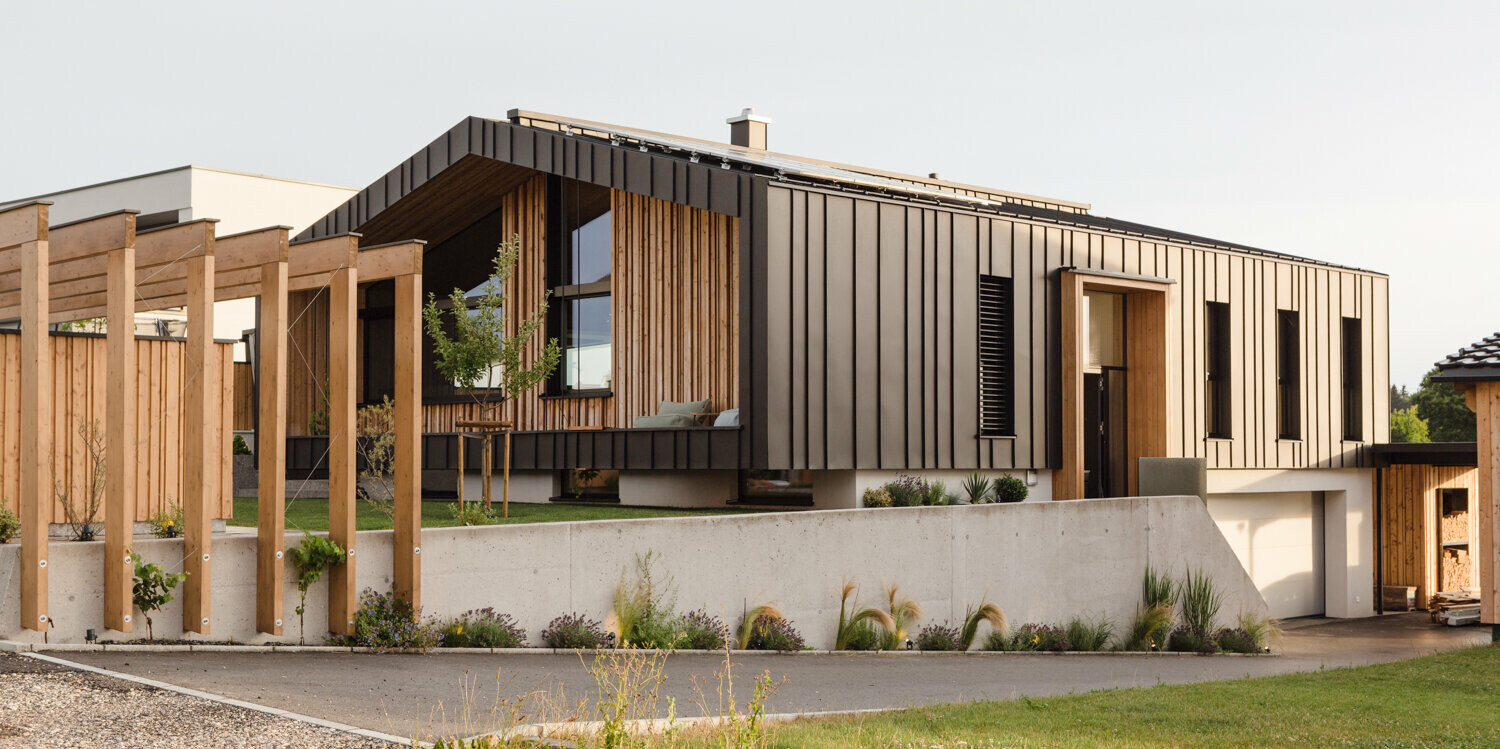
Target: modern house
point(846, 324)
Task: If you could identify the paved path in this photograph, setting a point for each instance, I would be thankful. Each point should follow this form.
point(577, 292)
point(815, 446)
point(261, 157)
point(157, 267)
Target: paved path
point(417, 695)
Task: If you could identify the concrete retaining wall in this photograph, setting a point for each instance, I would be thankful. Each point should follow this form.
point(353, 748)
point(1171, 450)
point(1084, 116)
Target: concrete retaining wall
point(1041, 561)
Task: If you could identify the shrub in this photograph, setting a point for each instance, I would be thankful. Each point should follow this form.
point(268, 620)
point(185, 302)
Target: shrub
point(240, 448)
point(775, 634)
point(978, 488)
point(386, 622)
point(643, 606)
point(574, 632)
point(752, 619)
point(1089, 634)
point(167, 523)
point(857, 624)
point(903, 611)
point(1198, 600)
point(1156, 589)
point(875, 497)
point(1041, 637)
point(1263, 631)
point(471, 513)
point(907, 490)
point(998, 641)
point(863, 636)
point(984, 612)
point(937, 494)
point(9, 524)
point(152, 588)
point(1009, 489)
point(1235, 640)
point(939, 637)
point(314, 556)
point(1150, 628)
point(483, 628)
point(1187, 639)
point(696, 630)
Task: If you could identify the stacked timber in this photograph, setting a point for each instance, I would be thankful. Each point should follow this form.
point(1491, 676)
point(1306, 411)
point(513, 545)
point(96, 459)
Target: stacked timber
point(1454, 605)
point(1458, 568)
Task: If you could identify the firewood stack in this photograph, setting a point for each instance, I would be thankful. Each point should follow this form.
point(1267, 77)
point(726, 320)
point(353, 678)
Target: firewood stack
point(1455, 527)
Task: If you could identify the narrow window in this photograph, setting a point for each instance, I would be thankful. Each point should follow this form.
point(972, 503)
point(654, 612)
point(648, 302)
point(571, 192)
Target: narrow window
point(580, 254)
point(1216, 348)
point(1354, 418)
point(995, 364)
point(1288, 375)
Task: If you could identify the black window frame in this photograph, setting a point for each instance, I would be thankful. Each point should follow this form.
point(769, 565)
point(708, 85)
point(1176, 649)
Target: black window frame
point(1351, 347)
point(561, 293)
point(995, 311)
point(1218, 391)
point(1288, 374)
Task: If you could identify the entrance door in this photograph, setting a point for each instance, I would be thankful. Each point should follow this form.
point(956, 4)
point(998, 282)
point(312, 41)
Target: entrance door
point(1104, 454)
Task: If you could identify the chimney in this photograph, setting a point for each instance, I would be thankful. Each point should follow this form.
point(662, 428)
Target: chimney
point(748, 130)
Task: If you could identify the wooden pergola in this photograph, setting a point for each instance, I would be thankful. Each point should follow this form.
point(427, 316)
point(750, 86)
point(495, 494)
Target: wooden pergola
point(103, 267)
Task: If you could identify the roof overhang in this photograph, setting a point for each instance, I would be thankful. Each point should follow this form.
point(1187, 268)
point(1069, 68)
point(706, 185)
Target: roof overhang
point(1426, 453)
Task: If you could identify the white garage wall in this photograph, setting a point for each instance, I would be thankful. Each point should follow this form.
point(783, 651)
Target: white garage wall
point(1348, 526)
point(1041, 561)
point(1278, 537)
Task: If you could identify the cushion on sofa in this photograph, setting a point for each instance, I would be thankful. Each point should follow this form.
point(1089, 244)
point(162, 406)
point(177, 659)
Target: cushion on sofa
point(687, 407)
point(728, 418)
point(664, 421)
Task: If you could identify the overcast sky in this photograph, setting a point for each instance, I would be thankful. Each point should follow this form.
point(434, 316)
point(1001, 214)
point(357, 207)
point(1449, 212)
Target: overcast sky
point(1360, 133)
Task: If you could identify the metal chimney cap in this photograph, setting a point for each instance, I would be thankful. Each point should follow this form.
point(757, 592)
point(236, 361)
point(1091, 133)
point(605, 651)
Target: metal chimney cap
point(748, 115)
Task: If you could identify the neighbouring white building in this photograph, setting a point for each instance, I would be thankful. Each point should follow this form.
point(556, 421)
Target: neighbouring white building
point(239, 201)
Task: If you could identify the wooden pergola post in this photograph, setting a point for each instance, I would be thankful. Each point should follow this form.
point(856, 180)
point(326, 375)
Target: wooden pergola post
point(406, 554)
point(271, 449)
point(36, 419)
point(200, 480)
point(120, 437)
point(343, 292)
point(1484, 400)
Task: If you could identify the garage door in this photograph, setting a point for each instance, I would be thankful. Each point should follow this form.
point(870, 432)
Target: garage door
point(1279, 539)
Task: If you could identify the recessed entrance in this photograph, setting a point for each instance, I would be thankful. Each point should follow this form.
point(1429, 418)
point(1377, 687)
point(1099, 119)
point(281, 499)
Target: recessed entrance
point(1114, 381)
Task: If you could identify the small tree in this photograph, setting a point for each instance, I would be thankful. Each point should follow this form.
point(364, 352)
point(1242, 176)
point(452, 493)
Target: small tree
point(377, 450)
point(486, 354)
point(153, 588)
point(314, 556)
point(81, 512)
point(1407, 426)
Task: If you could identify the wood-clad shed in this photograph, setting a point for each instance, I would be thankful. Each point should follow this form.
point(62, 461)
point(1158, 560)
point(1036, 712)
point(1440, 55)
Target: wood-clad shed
point(1475, 370)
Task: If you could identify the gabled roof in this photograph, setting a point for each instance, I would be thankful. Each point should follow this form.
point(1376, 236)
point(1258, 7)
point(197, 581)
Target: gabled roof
point(1479, 361)
point(690, 171)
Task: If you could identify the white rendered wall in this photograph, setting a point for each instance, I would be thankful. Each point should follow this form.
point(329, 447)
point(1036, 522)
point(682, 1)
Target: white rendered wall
point(1040, 561)
point(1348, 526)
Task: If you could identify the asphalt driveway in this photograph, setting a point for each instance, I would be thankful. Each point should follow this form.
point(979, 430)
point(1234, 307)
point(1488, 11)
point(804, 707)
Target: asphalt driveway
point(424, 695)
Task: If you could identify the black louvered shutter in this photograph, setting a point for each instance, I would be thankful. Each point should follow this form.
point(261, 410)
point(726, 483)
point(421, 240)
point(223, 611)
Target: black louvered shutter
point(995, 361)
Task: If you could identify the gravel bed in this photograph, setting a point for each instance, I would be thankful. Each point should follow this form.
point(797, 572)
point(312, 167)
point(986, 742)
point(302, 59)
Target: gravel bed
point(47, 705)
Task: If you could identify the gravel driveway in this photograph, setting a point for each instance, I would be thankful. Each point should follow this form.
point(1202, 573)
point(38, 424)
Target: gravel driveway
point(46, 705)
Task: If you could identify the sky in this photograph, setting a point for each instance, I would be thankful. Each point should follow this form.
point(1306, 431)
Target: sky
point(1360, 133)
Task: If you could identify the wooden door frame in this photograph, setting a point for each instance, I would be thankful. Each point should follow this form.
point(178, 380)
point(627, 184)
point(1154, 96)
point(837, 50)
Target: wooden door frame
point(1147, 301)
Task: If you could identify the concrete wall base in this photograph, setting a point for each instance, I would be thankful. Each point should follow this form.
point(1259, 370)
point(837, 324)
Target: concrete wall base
point(1040, 561)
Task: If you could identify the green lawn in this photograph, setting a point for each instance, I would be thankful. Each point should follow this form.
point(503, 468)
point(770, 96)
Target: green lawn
point(312, 514)
point(1450, 699)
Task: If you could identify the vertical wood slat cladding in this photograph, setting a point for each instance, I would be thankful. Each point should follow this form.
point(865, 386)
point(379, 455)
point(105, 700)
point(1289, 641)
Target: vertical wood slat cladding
point(1410, 531)
point(79, 382)
point(307, 358)
point(675, 326)
point(866, 273)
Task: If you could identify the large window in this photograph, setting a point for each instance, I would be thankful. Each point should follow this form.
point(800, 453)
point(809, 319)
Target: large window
point(580, 244)
point(1288, 375)
point(1216, 349)
point(1354, 422)
point(996, 393)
